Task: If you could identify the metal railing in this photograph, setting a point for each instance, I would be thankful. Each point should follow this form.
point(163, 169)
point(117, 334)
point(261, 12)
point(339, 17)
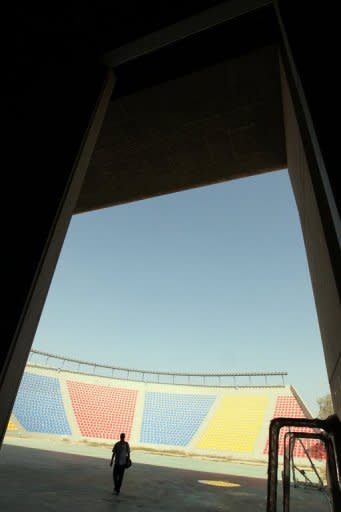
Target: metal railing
point(248, 379)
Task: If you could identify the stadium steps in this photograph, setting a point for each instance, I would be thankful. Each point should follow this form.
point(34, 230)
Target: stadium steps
point(202, 428)
point(264, 432)
point(76, 434)
point(138, 417)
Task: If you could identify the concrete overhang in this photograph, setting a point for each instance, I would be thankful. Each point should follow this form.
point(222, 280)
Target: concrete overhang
point(219, 123)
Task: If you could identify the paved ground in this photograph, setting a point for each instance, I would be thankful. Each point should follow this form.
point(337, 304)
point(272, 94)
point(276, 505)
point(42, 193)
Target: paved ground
point(49, 479)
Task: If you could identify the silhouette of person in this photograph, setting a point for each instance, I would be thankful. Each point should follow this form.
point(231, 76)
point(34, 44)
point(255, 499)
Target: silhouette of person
point(121, 454)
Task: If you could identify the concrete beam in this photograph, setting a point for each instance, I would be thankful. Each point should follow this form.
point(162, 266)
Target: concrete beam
point(220, 123)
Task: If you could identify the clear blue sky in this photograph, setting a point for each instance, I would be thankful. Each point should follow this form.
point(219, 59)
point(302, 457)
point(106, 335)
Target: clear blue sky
point(211, 279)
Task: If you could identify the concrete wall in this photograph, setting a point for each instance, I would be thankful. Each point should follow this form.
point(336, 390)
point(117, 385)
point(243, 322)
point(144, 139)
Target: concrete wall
point(321, 272)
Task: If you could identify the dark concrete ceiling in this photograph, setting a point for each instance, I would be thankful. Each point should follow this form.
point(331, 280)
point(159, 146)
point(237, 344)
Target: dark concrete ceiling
point(204, 109)
point(215, 124)
point(104, 24)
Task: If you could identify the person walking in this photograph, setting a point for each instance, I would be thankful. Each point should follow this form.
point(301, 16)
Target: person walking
point(121, 455)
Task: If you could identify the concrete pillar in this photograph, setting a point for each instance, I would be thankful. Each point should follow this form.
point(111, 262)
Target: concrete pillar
point(323, 278)
point(57, 99)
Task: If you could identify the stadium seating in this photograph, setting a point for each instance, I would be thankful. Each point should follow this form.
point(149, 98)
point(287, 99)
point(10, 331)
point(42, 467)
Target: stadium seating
point(289, 407)
point(39, 405)
point(235, 425)
point(12, 426)
point(173, 418)
point(102, 411)
point(208, 420)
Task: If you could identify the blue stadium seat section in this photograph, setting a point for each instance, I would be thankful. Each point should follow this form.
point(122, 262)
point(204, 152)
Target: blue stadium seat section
point(39, 405)
point(173, 419)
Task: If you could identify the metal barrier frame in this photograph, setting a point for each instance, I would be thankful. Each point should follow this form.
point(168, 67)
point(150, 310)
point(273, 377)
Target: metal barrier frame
point(332, 428)
point(288, 457)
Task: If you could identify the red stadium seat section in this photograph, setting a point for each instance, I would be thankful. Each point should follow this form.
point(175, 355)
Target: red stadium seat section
point(289, 407)
point(102, 411)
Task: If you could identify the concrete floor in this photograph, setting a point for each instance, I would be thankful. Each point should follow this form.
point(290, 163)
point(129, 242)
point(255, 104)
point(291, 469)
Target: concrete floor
point(50, 479)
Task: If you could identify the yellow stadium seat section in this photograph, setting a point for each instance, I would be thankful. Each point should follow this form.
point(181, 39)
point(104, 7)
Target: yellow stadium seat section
point(12, 426)
point(235, 424)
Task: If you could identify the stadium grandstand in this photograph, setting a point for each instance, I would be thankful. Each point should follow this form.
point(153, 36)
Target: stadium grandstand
point(222, 415)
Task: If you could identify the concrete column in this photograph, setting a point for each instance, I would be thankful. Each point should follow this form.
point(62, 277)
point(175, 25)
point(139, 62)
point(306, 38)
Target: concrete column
point(58, 98)
point(323, 278)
